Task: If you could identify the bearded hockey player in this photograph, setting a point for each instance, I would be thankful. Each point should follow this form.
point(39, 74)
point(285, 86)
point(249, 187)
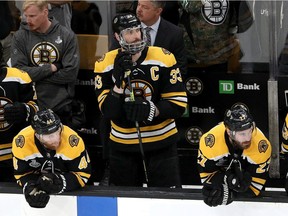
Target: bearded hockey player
point(143, 131)
point(233, 158)
point(49, 158)
point(16, 110)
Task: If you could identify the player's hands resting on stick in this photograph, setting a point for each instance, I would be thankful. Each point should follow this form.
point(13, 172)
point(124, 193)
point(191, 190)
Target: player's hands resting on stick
point(140, 110)
point(52, 183)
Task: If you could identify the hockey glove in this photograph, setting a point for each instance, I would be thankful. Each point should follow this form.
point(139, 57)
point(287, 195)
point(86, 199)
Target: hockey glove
point(217, 195)
point(140, 110)
point(52, 183)
point(237, 179)
point(16, 112)
point(122, 64)
point(34, 196)
point(286, 183)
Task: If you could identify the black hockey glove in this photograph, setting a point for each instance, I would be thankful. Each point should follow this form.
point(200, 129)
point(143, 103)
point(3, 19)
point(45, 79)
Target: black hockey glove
point(122, 64)
point(140, 110)
point(286, 183)
point(16, 112)
point(36, 197)
point(217, 195)
point(52, 183)
point(237, 179)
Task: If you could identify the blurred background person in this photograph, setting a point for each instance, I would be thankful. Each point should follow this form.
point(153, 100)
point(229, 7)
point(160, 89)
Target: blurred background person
point(16, 111)
point(210, 41)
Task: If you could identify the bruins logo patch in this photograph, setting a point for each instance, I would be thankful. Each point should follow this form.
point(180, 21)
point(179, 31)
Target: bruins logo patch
point(165, 51)
point(73, 140)
point(210, 140)
point(262, 146)
point(20, 141)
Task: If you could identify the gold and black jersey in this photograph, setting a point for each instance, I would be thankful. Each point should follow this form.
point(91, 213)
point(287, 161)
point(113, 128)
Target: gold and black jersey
point(214, 156)
point(71, 159)
point(155, 76)
point(15, 85)
point(284, 143)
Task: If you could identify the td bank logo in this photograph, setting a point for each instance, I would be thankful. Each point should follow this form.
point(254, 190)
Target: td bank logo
point(226, 86)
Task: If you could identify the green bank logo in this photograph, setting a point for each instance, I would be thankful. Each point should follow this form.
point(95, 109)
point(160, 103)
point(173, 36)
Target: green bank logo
point(186, 113)
point(226, 86)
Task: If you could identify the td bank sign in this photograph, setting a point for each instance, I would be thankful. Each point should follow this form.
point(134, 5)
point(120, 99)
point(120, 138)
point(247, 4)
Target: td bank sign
point(228, 86)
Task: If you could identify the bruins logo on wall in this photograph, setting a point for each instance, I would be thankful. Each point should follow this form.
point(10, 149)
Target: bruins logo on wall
point(73, 140)
point(20, 141)
point(44, 53)
point(215, 12)
point(262, 146)
point(210, 140)
point(194, 86)
point(193, 135)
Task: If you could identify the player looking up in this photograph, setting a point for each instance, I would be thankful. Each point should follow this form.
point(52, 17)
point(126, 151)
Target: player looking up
point(143, 130)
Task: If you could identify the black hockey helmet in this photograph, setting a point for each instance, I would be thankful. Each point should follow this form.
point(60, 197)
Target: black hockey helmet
point(124, 21)
point(45, 122)
point(238, 118)
point(128, 21)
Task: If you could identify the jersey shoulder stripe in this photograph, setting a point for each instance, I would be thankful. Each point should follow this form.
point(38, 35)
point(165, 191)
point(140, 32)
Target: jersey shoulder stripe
point(106, 62)
point(16, 75)
point(159, 56)
point(212, 144)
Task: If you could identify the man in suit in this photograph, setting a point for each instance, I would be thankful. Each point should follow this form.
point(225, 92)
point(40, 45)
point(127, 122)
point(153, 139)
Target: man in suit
point(163, 34)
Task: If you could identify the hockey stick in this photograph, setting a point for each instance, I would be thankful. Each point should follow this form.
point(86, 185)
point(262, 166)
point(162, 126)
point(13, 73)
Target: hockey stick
point(132, 98)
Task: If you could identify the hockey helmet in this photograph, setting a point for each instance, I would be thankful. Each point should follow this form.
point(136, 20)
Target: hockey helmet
point(45, 122)
point(238, 118)
point(124, 22)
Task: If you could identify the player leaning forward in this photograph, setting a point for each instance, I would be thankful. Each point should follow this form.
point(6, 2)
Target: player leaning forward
point(49, 158)
point(233, 158)
point(152, 74)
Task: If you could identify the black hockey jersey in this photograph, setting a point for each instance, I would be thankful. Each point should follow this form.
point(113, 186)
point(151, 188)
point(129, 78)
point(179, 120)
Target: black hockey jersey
point(15, 85)
point(155, 76)
point(214, 156)
point(284, 143)
point(71, 159)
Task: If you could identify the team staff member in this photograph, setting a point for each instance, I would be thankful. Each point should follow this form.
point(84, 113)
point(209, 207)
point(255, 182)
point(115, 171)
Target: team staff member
point(49, 53)
point(233, 158)
point(159, 99)
point(163, 33)
point(16, 110)
point(49, 158)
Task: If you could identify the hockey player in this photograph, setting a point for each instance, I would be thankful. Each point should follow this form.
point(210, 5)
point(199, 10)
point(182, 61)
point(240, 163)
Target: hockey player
point(284, 147)
point(16, 110)
point(233, 158)
point(152, 76)
point(49, 158)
